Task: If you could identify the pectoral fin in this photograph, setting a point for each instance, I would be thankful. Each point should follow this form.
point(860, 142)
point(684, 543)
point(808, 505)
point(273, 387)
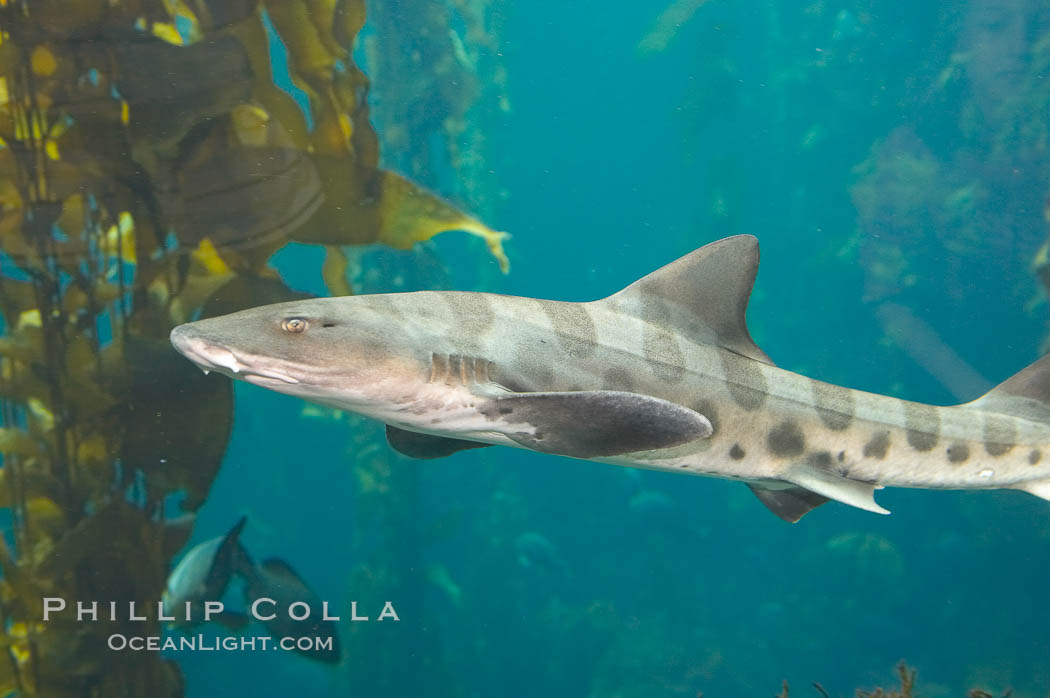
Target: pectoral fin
point(789, 503)
point(841, 489)
point(595, 424)
point(426, 446)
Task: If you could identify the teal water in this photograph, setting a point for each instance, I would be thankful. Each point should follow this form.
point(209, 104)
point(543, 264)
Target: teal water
point(887, 156)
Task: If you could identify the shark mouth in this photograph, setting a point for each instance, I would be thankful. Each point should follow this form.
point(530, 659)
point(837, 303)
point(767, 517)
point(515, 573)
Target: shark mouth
point(211, 357)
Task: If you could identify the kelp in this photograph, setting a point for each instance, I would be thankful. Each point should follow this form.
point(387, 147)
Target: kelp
point(906, 688)
point(149, 169)
point(949, 185)
point(446, 89)
point(667, 25)
point(905, 674)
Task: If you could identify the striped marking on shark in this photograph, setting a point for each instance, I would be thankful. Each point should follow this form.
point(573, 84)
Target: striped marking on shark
point(662, 375)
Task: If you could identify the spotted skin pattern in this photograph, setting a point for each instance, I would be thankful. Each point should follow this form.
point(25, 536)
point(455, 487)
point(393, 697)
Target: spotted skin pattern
point(434, 362)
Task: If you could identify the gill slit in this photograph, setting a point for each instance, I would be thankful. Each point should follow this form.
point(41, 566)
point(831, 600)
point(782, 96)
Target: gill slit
point(453, 369)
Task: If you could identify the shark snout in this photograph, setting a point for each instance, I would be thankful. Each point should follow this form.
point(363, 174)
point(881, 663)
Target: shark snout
point(209, 355)
point(212, 356)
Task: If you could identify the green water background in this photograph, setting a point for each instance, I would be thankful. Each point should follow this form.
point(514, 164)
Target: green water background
point(882, 153)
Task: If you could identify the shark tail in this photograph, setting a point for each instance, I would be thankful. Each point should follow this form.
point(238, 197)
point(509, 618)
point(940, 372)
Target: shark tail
point(1026, 395)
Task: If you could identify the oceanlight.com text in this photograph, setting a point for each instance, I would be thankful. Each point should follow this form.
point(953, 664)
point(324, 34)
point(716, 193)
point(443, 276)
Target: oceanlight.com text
point(201, 643)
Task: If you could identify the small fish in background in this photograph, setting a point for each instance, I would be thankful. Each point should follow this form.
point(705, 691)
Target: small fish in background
point(203, 575)
point(275, 579)
point(535, 552)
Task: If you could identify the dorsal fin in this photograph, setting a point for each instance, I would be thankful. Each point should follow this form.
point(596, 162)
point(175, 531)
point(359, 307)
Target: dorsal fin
point(225, 559)
point(230, 543)
point(702, 295)
point(1026, 394)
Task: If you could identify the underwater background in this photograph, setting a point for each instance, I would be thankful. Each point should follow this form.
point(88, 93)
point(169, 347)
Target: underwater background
point(892, 158)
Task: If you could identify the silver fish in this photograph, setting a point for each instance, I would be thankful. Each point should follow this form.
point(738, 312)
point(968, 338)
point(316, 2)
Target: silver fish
point(202, 575)
point(274, 579)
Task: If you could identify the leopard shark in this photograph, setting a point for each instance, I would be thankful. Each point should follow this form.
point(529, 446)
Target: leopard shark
point(662, 375)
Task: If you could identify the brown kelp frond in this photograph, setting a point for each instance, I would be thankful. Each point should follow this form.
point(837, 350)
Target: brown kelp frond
point(905, 675)
point(149, 169)
point(443, 101)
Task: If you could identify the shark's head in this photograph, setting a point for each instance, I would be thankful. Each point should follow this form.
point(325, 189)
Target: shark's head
point(337, 351)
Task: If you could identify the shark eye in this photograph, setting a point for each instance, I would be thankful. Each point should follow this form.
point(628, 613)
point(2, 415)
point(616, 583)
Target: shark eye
point(294, 324)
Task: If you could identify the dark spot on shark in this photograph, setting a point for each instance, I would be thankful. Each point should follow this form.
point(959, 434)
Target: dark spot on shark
point(921, 440)
point(878, 445)
point(736, 453)
point(997, 449)
point(1000, 434)
point(745, 380)
point(505, 410)
point(958, 453)
point(663, 354)
point(820, 459)
point(385, 304)
point(617, 379)
point(574, 327)
point(834, 404)
point(1035, 456)
point(923, 425)
point(655, 309)
point(786, 440)
point(842, 457)
point(473, 313)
